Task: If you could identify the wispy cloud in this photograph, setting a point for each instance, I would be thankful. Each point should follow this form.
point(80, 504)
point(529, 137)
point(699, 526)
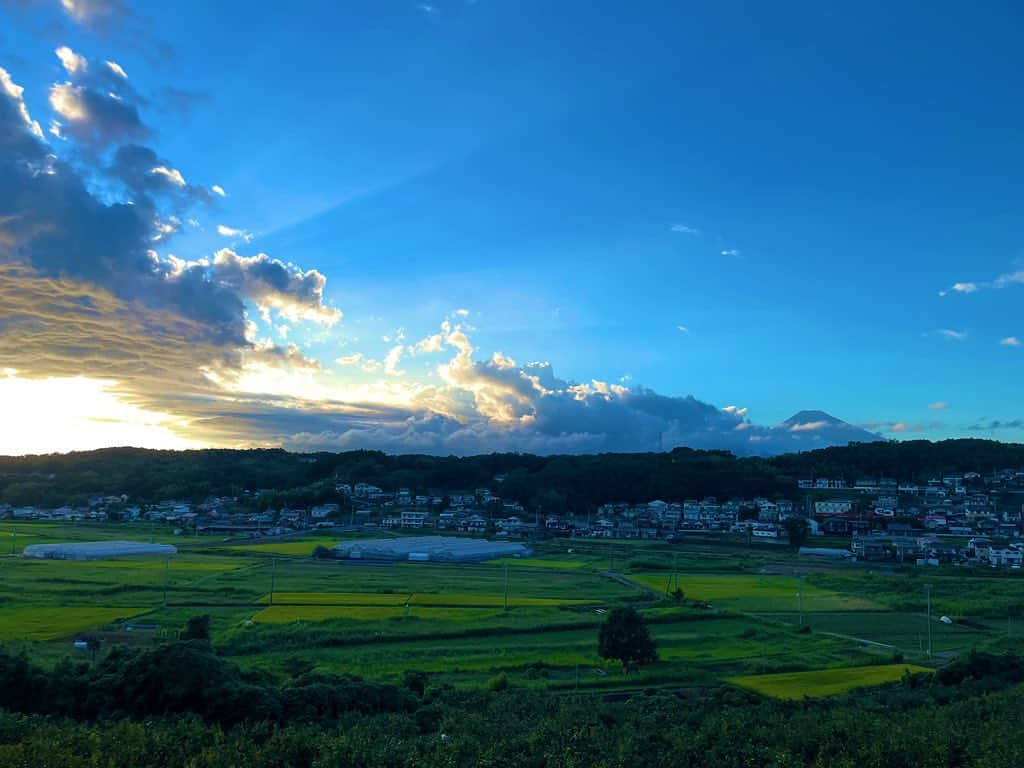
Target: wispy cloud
point(682, 329)
point(1010, 341)
point(939, 406)
point(428, 9)
point(951, 335)
point(1004, 280)
point(730, 252)
point(226, 231)
point(683, 229)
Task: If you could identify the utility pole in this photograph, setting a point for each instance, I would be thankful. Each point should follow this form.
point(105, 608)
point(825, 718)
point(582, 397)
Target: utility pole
point(506, 586)
point(167, 575)
point(800, 597)
point(928, 596)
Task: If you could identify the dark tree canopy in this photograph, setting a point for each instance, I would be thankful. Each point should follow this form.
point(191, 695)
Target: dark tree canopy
point(797, 529)
point(624, 636)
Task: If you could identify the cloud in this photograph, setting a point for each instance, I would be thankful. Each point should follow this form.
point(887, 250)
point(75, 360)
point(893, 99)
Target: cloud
point(96, 119)
point(462, 312)
point(392, 359)
point(951, 335)
point(1004, 280)
point(994, 424)
point(354, 359)
point(12, 93)
point(173, 175)
point(117, 69)
point(684, 230)
point(939, 406)
point(72, 62)
point(810, 426)
point(96, 14)
point(227, 231)
point(432, 343)
point(682, 329)
point(730, 252)
point(151, 177)
point(269, 283)
point(218, 190)
point(1010, 341)
point(428, 9)
point(84, 294)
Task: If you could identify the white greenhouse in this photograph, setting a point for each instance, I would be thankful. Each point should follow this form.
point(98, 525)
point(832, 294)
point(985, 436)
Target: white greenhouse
point(97, 550)
point(437, 549)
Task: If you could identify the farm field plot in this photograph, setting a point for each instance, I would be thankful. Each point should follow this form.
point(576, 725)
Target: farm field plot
point(702, 648)
point(956, 596)
point(907, 632)
point(824, 682)
point(129, 582)
point(743, 592)
point(447, 599)
point(424, 579)
point(292, 547)
point(283, 614)
point(52, 623)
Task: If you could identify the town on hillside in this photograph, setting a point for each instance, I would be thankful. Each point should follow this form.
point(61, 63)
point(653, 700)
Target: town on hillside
point(963, 518)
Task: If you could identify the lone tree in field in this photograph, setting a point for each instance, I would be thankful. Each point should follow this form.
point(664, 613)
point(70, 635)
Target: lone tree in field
point(624, 636)
point(797, 529)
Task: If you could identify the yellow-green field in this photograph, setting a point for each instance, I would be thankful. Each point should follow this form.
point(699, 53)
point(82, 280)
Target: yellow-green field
point(823, 682)
point(53, 623)
point(444, 599)
point(743, 592)
point(283, 614)
point(292, 548)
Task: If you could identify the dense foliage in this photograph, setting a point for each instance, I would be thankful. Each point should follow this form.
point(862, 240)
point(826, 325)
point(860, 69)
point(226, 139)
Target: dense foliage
point(553, 483)
point(624, 637)
point(968, 716)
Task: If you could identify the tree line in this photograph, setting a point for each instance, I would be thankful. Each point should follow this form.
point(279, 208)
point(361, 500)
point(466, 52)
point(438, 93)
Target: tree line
point(552, 484)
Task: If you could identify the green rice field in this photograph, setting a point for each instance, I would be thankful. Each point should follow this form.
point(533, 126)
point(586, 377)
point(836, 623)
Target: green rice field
point(734, 622)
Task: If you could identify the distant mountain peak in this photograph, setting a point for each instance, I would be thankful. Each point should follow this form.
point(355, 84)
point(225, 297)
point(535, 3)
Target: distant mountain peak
point(813, 417)
point(824, 429)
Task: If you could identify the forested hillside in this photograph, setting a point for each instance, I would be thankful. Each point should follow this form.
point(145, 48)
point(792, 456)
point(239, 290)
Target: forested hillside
point(560, 482)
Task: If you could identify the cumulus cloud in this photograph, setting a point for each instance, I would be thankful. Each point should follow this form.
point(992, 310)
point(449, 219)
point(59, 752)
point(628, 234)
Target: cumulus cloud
point(730, 252)
point(84, 294)
point(147, 175)
point(72, 62)
point(392, 359)
point(96, 119)
point(1010, 341)
point(218, 190)
point(271, 284)
point(434, 343)
point(12, 93)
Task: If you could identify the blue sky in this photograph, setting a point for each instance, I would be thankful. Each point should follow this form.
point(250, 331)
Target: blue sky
point(756, 205)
